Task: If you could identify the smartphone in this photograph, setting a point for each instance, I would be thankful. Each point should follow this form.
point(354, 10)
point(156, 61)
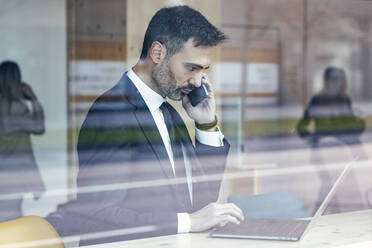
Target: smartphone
point(198, 95)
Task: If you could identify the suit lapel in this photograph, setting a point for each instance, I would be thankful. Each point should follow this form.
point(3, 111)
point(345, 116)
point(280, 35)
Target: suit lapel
point(153, 137)
point(150, 131)
point(147, 124)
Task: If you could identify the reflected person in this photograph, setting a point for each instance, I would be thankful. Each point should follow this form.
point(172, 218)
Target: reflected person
point(332, 114)
point(21, 115)
point(138, 167)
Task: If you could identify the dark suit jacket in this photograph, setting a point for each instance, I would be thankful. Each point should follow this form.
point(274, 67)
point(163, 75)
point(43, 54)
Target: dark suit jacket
point(125, 178)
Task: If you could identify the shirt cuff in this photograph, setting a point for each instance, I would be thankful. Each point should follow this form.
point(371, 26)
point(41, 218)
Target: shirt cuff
point(210, 138)
point(184, 224)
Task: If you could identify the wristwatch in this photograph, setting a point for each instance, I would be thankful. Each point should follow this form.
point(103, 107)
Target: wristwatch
point(207, 126)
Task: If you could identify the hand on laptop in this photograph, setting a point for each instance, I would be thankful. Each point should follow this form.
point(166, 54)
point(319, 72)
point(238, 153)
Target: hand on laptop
point(215, 214)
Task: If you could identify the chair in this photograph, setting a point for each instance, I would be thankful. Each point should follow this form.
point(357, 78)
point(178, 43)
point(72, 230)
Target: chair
point(273, 205)
point(29, 231)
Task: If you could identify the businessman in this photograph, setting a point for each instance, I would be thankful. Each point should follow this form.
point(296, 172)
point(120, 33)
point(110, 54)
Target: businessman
point(139, 173)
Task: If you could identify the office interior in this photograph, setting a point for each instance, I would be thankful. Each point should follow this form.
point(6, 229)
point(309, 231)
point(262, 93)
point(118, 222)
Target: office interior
point(265, 75)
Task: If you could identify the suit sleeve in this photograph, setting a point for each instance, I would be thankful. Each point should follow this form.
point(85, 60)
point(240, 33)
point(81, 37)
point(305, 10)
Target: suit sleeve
point(105, 156)
point(210, 164)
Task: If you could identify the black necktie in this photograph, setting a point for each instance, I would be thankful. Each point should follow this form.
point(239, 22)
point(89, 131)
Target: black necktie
point(170, 119)
point(165, 109)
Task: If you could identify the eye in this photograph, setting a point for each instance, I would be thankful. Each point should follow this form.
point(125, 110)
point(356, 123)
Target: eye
point(192, 68)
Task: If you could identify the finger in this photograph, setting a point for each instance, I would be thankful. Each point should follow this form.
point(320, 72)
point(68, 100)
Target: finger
point(186, 102)
point(207, 83)
point(235, 207)
point(229, 219)
point(231, 209)
point(231, 212)
point(231, 206)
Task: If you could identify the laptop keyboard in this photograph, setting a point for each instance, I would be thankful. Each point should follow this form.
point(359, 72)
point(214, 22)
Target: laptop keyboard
point(264, 228)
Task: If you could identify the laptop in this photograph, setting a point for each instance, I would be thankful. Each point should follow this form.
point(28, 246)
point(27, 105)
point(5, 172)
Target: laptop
point(278, 229)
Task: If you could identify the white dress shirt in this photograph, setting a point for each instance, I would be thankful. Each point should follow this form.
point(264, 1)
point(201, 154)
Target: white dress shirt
point(153, 101)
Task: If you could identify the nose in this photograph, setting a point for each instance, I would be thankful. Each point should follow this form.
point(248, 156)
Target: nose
point(196, 80)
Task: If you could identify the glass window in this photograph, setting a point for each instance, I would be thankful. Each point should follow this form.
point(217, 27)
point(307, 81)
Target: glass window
point(87, 143)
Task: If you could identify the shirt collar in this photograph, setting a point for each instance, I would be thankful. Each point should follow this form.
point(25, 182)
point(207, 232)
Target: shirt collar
point(152, 99)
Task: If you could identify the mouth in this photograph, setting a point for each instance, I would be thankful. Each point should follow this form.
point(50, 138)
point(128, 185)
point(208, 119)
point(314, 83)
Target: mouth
point(186, 91)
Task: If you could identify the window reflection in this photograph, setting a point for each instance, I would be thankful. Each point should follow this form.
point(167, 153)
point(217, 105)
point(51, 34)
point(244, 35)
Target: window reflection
point(293, 95)
point(21, 115)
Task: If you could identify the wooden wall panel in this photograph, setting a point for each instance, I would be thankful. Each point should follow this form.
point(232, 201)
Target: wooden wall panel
point(99, 50)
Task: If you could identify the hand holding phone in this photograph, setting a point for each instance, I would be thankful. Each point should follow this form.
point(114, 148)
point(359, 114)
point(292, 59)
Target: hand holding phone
point(28, 93)
point(198, 95)
point(200, 104)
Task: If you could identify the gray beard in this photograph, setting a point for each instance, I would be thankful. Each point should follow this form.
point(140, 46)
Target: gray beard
point(164, 80)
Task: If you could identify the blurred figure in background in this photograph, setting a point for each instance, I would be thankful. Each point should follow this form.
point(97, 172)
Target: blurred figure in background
point(332, 112)
point(20, 116)
point(332, 115)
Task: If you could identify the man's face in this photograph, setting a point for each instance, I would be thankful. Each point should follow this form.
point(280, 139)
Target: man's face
point(179, 74)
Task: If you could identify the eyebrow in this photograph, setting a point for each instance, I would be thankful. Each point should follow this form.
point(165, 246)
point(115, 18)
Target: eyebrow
point(197, 65)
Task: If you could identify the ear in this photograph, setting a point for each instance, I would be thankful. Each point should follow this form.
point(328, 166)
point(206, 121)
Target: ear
point(157, 52)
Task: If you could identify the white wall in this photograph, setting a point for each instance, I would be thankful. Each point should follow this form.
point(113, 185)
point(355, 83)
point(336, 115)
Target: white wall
point(33, 33)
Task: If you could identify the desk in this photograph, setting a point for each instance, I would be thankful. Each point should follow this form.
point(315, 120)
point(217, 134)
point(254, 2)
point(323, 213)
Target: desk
point(346, 230)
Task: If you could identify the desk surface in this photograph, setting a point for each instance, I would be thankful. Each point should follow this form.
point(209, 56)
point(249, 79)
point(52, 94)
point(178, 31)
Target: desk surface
point(346, 230)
